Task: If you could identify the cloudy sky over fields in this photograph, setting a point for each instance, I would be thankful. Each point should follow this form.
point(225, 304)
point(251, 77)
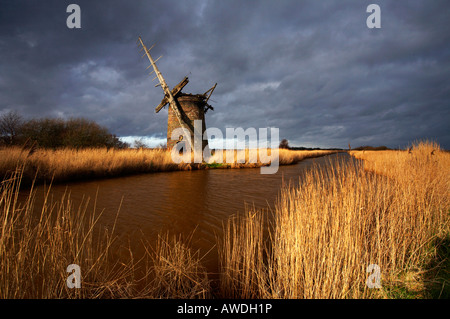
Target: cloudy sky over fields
point(311, 68)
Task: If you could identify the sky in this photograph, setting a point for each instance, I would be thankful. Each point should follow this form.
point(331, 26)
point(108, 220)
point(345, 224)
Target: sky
point(312, 69)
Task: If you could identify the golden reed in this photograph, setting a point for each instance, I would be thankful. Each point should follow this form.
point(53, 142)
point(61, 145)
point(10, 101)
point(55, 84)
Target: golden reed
point(63, 165)
point(389, 209)
point(324, 233)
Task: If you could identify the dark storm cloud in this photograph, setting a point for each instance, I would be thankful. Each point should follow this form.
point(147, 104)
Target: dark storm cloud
point(311, 68)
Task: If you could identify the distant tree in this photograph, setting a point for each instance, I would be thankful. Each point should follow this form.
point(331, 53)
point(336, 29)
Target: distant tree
point(47, 132)
point(115, 142)
point(162, 146)
point(139, 143)
point(284, 144)
point(81, 133)
point(72, 133)
point(10, 127)
point(56, 132)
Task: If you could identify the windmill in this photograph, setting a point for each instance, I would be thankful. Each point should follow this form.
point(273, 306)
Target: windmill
point(184, 108)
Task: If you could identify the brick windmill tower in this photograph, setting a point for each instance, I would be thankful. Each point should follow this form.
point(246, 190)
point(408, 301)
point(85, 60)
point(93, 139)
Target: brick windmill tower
point(184, 108)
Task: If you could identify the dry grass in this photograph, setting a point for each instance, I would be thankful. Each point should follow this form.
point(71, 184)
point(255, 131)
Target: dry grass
point(178, 272)
point(325, 232)
point(35, 251)
point(260, 157)
point(71, 164)
point(242, 252)
point(288, 157)
point(387, 210)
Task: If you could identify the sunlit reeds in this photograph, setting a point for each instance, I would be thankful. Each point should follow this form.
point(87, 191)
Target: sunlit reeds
point(391, 209)
point(177, 271)
point(325, 232)
point(72, 164)
point(242, 252)
point(35, 251)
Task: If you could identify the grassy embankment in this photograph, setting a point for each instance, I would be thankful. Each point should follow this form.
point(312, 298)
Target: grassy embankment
point(329, 229)
point(71, 164)
point(323, 234)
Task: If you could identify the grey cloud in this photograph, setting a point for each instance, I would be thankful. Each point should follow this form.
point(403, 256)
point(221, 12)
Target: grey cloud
point(311, 68)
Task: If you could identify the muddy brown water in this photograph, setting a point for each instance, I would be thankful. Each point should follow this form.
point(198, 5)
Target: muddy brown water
point(191, 203)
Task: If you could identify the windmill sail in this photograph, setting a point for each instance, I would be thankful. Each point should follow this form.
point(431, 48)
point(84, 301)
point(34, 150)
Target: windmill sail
point(168, 93)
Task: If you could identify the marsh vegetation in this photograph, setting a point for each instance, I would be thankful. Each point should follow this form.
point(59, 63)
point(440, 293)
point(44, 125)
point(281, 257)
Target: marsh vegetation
point(390, 209)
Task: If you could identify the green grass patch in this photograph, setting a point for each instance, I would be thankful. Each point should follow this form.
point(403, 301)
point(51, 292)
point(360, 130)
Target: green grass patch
point(216, 165)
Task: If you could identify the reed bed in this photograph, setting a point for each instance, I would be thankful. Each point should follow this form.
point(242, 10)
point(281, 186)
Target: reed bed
point(391, 209)
point(261, 157)
point(242, 255)
point(71, 164)
point(35, 251)
point(177, 271)
point(324, 233)
point(63, 165)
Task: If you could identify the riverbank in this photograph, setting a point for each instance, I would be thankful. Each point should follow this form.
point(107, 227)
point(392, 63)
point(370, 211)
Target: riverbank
point(65, 165)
